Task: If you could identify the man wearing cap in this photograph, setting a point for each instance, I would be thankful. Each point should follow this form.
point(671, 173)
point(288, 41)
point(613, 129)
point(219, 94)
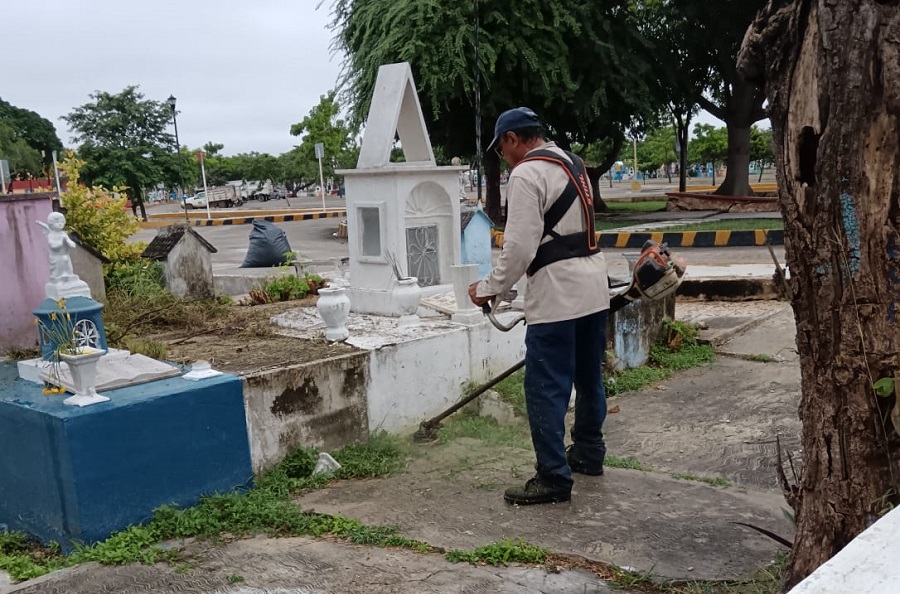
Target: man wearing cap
point(550, 236)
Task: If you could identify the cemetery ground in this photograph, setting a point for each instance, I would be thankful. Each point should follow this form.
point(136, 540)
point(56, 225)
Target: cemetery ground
point(689, 456)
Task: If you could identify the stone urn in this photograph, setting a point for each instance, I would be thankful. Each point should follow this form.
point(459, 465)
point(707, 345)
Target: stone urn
point(83, 369)
point(333, 306)
point(406, 296)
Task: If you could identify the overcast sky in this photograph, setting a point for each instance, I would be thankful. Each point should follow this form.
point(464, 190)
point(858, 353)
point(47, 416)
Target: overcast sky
point(243, 71)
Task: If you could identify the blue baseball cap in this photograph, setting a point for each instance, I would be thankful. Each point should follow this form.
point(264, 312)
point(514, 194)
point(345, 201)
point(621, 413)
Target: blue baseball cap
point(513, 119)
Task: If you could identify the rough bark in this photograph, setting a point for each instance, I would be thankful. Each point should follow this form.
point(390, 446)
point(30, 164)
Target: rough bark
point(832, 72)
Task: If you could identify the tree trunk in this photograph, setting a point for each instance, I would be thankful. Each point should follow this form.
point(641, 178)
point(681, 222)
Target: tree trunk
point(681, 131)
point(737, 174)
point(594, 174)
point(492, 186)
point(833, 79)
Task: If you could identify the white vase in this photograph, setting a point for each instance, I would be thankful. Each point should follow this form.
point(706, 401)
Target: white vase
point(406, 296)
point(333, 306)
point(83, 369)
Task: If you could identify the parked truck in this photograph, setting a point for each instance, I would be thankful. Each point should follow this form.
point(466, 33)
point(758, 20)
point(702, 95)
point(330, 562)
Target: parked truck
point(218, 197)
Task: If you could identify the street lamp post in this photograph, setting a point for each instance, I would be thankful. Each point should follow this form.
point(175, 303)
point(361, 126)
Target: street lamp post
point(171, 102)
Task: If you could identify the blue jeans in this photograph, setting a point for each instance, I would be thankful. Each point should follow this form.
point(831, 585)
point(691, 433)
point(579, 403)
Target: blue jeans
point(559, 355)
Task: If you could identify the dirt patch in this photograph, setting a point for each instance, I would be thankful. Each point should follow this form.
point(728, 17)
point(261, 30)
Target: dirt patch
point(243, 341)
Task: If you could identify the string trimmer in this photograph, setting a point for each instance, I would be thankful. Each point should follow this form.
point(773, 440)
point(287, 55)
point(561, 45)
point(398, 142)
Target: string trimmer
point(656, 275)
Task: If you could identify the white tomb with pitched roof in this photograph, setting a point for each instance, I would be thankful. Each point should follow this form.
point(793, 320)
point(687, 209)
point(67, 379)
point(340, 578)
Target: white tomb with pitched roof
point(407, 211)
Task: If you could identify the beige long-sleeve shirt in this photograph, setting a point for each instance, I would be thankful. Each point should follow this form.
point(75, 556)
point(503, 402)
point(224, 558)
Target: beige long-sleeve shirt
point(566, 289)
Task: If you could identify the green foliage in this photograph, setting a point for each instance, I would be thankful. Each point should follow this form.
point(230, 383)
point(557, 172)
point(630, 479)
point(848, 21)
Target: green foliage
point(24, 161)
point(141, 277)
point(324, 125)
point(287, 287)
point(503, 553)
point(512, 391)
point(98, 215)
point(691, 355)
point(137, 300)
point(710, 144)
point(884, 387)
point(582, 66)
point(125, 141)
point(23, 135)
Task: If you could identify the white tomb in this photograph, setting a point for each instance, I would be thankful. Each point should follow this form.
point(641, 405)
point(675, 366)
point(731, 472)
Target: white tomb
point(408, 211)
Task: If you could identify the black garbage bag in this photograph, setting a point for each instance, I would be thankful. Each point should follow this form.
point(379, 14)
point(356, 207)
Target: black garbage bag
point(268, 246)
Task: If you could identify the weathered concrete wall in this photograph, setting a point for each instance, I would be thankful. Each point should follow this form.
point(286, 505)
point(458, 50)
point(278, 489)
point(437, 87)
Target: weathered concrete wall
point(631, 331)
point(189, 270)
point(492, 352)
point(321, 404)
point(90, 270)
point(24, 266)
point(415, 379)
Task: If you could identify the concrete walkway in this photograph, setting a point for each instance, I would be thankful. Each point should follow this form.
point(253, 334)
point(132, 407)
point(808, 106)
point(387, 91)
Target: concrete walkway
point(673, 518)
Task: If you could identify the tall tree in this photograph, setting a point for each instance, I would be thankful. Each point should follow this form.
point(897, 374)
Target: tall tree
point(710, 145)
point(833, 83)
point(717, 31)
point(25, 127)
point(323, 125)
point(680, 74)
point(582, 66)
point(125, 142)
point(24, 161)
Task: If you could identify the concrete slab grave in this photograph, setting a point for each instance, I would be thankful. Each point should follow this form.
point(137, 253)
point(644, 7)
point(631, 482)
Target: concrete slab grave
point(78, 474)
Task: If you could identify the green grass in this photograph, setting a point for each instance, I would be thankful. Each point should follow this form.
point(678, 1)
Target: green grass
point(503, 552)
point(486, 429)
point(512, 392)
point(265, 509)
point(714, 481)
point(642, 206)
point(727, 225)
point(628, 463)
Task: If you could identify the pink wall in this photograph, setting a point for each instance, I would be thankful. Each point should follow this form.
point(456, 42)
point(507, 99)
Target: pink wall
point(24, 266)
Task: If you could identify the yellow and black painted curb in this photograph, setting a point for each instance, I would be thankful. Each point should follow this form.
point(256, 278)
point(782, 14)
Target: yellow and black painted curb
point(697, 239)
point(282, 218)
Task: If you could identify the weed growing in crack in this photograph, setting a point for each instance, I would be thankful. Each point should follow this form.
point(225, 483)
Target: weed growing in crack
point(714, 481)
point(628, 463)
point(503, 552)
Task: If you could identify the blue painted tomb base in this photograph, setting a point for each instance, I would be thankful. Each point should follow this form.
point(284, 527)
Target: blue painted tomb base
point(71, 474)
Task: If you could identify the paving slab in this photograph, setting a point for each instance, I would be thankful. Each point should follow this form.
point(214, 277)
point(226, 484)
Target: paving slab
point(304, 566)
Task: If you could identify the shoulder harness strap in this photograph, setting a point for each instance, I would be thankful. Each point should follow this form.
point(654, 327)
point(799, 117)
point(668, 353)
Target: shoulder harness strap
point(575, 245)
